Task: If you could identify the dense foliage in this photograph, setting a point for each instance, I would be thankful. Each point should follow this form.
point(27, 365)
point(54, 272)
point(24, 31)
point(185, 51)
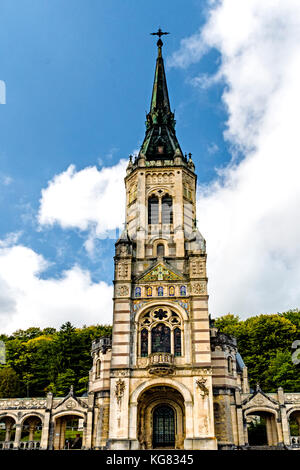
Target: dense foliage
point(265, 343)
point(39, 361)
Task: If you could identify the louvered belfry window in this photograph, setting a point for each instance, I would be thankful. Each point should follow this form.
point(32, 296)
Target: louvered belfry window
point(153, 208)
point(167, 209)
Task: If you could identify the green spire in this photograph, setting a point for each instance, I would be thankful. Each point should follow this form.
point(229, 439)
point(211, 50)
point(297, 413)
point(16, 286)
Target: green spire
point(160, 104)
point(160, 139)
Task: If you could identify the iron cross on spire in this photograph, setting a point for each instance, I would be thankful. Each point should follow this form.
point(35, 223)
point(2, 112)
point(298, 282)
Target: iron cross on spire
point(159, 33)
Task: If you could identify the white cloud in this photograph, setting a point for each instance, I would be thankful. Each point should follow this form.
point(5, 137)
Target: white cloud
point(250, 214)
point(212, 148)
point(90, 200)
point(28, 300)
point(6, 180)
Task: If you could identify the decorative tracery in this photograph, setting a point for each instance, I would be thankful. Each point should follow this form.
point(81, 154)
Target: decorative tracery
point(160, 331)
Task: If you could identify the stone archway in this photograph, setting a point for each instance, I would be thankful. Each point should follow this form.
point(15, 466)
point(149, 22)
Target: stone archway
point(31, 432)
point(161, 406)
point(262, 428)
point(68, 431)
point(7, 432)
point(294, 427)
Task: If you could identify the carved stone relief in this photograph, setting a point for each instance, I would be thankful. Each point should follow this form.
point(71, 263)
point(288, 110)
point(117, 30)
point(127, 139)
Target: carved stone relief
point(119, 390)
point(197, 268)
point(122, 270)
point(122, 291)
point(199, 288)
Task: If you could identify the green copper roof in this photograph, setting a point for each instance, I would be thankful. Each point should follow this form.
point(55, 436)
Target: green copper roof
point(160, 96)
point(160, 139)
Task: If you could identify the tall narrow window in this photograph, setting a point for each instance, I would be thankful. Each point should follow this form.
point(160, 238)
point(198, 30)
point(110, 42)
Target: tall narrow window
point(177, 342)
point(161, 338)
point(144, 343)
point(167, 210)
point(153, 210)
point(98, 368)
point(160, 250)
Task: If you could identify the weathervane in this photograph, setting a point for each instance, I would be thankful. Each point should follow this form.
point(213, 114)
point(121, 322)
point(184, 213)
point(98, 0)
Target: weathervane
point(159, 33)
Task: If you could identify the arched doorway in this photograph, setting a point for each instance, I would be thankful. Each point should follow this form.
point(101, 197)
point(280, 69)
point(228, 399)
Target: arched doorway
point(161, 418)
point(262, 428)
point(163, 426)
point(68, 432)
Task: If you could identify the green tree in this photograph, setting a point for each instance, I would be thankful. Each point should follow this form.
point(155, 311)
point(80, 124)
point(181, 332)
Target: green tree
point(282, 373)
point(260, 339)
point(64, 381)
point(9, 383)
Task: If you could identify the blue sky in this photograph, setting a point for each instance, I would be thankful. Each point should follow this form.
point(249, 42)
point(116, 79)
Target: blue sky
point(78, 82)
point(78, 79)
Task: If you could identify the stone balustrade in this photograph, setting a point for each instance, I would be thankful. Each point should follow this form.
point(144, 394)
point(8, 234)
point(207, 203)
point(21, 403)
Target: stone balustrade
point(161, 363)
point(6, 445)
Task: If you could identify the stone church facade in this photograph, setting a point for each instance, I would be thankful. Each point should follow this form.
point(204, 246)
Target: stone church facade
point(167, 378)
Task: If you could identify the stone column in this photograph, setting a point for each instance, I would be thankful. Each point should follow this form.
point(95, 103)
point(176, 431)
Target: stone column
point(246, 436)
point(284, 419)
point(245, 380)
point(18, 435)
point(269, 430)
point(8, 427)
point(89, 423)
point(32, 428)
point(187, 342)
point(189, 420)
point(279, 431)
point(239, 420)
point(297, 418)
point(133, 421)
point(45, 431)
point(62, 434)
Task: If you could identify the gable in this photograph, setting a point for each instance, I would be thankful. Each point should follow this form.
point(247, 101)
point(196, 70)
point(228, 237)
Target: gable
point(259, 399)
point(161, 273)
point(70, 402)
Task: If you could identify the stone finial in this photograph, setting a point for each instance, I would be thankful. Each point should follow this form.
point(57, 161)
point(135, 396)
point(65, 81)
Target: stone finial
point(141, 160)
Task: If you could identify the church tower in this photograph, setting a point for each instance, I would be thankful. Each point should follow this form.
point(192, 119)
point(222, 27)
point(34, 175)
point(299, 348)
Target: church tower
point(159, 367)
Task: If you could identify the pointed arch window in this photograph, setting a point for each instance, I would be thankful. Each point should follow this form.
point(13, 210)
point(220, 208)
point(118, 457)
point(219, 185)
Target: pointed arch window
point(177, 342)
point(167, 209)
point(144, 343)
point(153, 210)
